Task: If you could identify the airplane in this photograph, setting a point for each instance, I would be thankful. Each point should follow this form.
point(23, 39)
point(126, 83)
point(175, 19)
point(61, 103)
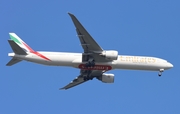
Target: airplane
point(94, 62)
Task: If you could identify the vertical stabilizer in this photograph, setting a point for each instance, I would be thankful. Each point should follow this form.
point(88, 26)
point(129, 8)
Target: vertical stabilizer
point(20, 42)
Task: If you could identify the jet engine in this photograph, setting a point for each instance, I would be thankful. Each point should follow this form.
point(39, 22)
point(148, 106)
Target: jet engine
point(110, 55)
point(106, 78)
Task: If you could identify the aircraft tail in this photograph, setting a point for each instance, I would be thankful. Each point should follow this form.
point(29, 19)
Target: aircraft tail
point(13, 61)
point(20, 43)
point(16, 48)
point(19, 47)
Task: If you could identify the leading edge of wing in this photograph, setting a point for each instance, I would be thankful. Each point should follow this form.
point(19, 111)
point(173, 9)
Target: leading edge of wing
point(84, 36)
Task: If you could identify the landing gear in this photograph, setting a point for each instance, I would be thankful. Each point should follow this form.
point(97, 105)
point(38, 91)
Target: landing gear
point(88, 78)
point(87, 75)
point(90, 63)
point(85, 78)
point(160, 72)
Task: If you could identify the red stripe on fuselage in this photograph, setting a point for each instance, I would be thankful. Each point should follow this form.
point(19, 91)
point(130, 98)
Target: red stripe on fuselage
point(40, 55)
point(36, 53)
point(30, 49)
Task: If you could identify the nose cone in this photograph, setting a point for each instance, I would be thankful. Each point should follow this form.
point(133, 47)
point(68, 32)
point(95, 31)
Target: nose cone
point(169, 65)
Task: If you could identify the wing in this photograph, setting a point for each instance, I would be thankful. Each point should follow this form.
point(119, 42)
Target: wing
point(90, 46)
point(91, 50)
point(87, 42)
point(80, 79)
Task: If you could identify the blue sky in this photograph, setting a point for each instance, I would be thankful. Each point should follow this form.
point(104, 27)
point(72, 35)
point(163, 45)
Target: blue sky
point(132, 27)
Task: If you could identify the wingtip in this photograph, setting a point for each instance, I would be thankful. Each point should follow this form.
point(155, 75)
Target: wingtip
point(8, 64)
point(62, 89)
point(70, 14)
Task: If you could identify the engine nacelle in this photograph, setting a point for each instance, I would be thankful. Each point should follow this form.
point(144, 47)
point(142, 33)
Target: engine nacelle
point(107, 78)
point(110, 55)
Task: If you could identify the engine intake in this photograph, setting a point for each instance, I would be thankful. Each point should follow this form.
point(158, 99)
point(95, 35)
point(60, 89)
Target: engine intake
point(110, 55)
point(106, 78)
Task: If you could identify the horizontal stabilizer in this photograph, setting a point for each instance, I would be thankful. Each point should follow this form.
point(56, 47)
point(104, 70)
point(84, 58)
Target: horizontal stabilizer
point(16, 48)
point(13, 61)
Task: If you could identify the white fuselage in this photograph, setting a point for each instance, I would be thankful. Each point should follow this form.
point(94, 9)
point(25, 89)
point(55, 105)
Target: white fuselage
point(75, 60)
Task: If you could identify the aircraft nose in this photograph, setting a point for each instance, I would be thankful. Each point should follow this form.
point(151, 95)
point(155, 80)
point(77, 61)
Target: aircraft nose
point(169, 65)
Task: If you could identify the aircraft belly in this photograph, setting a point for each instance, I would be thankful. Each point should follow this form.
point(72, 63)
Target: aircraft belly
point(36, 59)
point(139, 66)
point(62, 60)
point(98, 66)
